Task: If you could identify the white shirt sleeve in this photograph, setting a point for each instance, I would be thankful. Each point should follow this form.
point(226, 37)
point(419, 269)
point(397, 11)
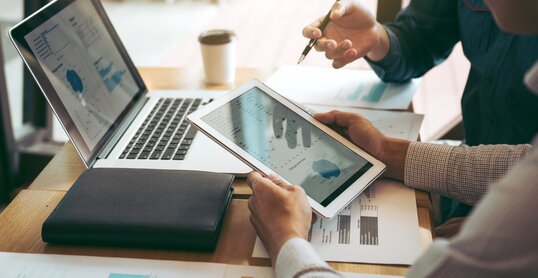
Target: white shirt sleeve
point(298, 259)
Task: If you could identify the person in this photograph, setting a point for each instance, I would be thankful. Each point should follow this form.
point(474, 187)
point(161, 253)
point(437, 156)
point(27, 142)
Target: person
point(496, 107)
point(499, 238)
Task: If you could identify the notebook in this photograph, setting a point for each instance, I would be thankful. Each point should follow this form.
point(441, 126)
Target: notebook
point(171, 209)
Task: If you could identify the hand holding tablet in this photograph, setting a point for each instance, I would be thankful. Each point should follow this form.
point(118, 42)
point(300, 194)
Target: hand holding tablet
point(274, 136)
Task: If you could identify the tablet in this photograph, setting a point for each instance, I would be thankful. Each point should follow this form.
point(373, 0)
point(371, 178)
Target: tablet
point(275, 136)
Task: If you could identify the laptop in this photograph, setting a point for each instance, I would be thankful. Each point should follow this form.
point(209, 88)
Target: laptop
point(93, 87)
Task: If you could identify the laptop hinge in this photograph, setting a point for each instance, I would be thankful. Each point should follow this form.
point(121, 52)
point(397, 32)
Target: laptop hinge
point(114, 139)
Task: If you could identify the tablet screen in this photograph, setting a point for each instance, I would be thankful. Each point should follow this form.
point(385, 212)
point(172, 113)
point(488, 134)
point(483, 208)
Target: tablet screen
point(288, 145)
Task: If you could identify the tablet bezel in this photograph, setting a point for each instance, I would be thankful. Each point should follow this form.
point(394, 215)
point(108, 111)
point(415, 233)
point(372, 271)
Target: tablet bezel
point(335, 205)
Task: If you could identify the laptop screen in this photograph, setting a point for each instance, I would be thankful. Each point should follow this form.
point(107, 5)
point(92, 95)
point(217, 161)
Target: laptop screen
point(82, 68)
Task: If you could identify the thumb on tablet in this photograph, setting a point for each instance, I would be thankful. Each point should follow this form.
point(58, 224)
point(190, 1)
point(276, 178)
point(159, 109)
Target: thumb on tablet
point(278, 180)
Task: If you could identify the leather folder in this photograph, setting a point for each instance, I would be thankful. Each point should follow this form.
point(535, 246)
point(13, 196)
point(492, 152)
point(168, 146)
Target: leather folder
point(170, 209)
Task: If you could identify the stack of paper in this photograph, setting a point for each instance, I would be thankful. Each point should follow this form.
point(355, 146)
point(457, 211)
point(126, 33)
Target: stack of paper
point(380, 226)
point(402, 125)
point(14, 265)
point(351, 88)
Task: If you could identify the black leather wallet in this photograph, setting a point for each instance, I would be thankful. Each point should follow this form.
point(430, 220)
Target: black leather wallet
point(142, 208)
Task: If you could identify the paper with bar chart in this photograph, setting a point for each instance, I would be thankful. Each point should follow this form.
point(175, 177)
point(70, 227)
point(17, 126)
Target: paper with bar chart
point(380, 226)
point(351, 88)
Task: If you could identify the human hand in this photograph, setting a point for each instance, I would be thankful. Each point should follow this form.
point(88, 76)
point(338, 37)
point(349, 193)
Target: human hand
point(293, 124)
point(357, 129)
point(362, 133)
point(450, 228)
point(278, 211)
point(351, 34)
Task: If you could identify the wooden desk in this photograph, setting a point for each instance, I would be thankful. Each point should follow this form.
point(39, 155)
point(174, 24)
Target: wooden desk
point(20, 223)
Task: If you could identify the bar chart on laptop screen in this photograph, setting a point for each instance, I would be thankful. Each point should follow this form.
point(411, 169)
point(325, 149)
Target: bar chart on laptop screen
point(85, 68)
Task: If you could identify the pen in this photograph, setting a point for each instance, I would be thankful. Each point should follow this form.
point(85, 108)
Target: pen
point(312, 42)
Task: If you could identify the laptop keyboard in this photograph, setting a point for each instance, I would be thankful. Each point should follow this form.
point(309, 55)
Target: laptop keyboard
point(165, 134)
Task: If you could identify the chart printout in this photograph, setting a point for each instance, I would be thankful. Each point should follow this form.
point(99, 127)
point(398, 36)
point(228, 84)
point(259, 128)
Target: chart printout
point(379, 226)
point(287, 144)
point(85, 68)
point(24, 265)
point(341, 87)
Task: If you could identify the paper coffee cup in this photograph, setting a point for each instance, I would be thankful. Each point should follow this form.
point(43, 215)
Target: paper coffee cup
point(218, 54)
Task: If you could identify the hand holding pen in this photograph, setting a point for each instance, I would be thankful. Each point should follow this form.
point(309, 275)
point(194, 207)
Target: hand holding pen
point(313, 41)
point(352, 33)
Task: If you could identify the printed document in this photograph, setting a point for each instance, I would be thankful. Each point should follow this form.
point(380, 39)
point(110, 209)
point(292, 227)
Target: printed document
point(16, 265)
point(396, 124)
point(342, 87)
point(380, 226)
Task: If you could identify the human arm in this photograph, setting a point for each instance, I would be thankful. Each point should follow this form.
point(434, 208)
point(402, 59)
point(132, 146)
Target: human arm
point(463, 173)
point(498, 239)
point(280, 213)
point(282, 217)
point(422, 37)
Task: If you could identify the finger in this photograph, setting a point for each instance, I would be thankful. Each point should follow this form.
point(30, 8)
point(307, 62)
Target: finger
point(255, 223)
point(278, 181)
point(311, 32)
point(341, 8)
point(254, 179)
point(336, 117)
point(251, 204)
point(325, 44)
point(455, 220)
point(338, 10)
point(314, 218)
point(342, 47)
point(258, 227)
point(347, 57)
point(343, 119)
point(447, 231)
point(338, 52)
point(327, 118)
point(260, 184)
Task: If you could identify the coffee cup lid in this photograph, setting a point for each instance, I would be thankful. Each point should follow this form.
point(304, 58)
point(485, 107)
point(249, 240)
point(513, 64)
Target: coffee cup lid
point(216, 37)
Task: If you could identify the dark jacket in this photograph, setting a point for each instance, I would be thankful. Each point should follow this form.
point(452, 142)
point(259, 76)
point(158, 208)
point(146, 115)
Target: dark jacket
point(497, 108)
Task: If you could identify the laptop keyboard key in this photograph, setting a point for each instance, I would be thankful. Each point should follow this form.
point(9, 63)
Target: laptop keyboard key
point(168, 154)
point(187, 142)
point(166, 119)
point(155, 155)
point(179, 157)
point(144, 155)
point(191, 133)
